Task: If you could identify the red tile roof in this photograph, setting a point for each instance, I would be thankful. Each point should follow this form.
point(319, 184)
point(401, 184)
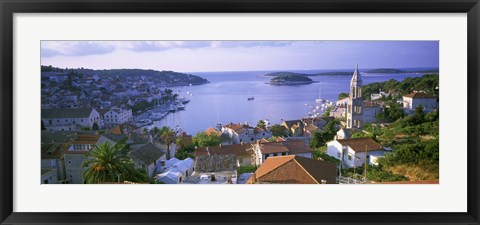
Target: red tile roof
point(292, 147)
point(238, 128)
point(211, 131)
point(361, 144)
point(86, 139)
point(294, 170)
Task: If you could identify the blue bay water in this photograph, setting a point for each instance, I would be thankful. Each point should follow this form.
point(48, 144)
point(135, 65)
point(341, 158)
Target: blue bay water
point(224, 99)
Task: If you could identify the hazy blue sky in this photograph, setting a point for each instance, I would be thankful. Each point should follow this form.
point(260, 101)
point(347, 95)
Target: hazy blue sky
point(191, 56)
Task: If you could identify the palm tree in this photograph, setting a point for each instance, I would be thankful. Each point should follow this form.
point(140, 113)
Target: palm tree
point(107, 163)
point(167, 136)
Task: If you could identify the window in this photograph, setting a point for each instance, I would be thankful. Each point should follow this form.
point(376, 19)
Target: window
point(251, 139)
point(349, 157)
point(49, 121)
point(274, 154)
point(284, 153)
point(338, 154)
point(58, 120)
point(70, 162)
point(266, 156)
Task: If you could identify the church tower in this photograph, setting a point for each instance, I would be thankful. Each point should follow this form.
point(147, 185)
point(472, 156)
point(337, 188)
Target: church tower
point(355, 102)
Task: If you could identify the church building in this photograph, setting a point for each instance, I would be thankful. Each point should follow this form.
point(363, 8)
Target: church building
point(355, 102)
point(359, 112)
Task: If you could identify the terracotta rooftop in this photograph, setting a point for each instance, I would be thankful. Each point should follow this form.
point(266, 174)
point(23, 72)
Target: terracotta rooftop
point(292, 147)
point(211, 131)
point(294, 170)
point(311, 128)
point(238, 128)
point(236, 149)
point(361, 144)
point(86, 139)
point(116, 130)
point(419, 95)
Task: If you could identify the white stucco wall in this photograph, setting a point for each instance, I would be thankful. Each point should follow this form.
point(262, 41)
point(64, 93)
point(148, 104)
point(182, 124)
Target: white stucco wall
point(428, 103)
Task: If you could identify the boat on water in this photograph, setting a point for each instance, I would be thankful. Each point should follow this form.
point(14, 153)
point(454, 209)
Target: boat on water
point(180, 106)
point(184, 100)
point(158, 115)
point(251, 98)
point(143, 122)
point(172, 108)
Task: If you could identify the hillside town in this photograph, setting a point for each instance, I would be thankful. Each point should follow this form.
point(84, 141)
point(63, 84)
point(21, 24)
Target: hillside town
point(96, 128)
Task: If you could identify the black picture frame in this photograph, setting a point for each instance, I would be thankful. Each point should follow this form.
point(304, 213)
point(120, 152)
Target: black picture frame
point(10, 7)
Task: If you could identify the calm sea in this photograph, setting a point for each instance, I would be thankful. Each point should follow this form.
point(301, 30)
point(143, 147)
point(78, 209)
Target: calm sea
point(224, 99)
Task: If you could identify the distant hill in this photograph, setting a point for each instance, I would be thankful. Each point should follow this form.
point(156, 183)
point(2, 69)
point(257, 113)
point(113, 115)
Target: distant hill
point(385, 70)
point(167, 77)
point(389, 70)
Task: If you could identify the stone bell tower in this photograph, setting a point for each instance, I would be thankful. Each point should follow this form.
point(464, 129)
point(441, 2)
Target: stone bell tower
point(355, 102)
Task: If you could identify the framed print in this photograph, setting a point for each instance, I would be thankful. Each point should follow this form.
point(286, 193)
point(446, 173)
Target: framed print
point(260, 112)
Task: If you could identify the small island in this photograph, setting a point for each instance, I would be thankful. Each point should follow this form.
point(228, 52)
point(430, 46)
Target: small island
point(291, 79)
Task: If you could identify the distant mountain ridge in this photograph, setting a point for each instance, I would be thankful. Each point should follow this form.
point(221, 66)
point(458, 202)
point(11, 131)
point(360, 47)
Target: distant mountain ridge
point(390, 70)
point(349, 73)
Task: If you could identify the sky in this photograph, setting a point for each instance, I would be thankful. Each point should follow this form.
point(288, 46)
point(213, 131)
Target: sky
point(206, 56)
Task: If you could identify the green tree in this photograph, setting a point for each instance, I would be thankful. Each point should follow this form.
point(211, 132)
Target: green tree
point(167, 136)
point(343, 95)
point(278, 130)
point(202, 139)
point(326, 134)
point(327, 112)
point(107, 163)
point(261, 124)
point(418, 117)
